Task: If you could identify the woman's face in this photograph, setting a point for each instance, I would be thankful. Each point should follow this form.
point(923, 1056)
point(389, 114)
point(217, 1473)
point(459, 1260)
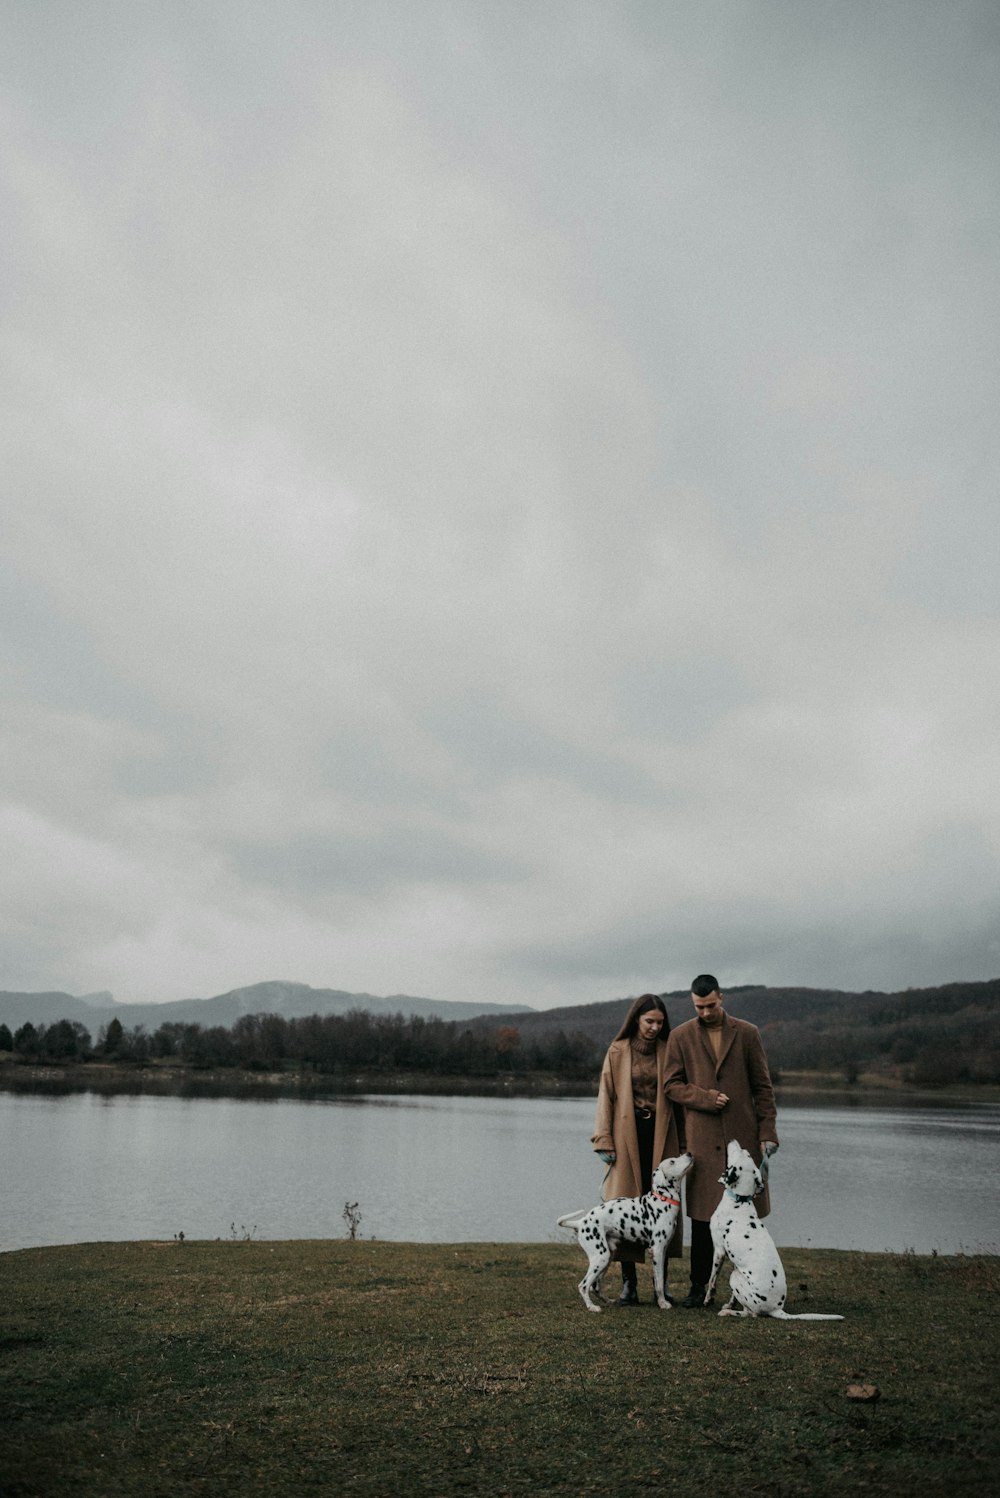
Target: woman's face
point(650, 1024)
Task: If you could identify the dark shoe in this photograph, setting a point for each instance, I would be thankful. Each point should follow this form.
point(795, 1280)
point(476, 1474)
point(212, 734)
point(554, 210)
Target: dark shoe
point(695, 1298)
point(629, 1295)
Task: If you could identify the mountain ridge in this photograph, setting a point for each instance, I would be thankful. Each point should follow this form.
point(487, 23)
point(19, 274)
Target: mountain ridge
point(272, 996)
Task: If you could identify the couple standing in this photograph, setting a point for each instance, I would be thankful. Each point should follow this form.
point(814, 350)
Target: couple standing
point(692, 1088)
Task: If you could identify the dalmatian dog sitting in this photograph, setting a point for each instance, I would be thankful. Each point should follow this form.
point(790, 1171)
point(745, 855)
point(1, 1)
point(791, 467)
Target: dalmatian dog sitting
point(757, 1283)
point(649, 1220)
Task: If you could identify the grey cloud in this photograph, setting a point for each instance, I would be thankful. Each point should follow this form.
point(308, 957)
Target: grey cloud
point(499, 498)
point(497, 743)
point(316, 867)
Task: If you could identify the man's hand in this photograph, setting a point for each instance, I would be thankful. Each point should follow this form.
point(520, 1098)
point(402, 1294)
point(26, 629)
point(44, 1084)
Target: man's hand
point(767, 1148)
point(608, 1156)
point(721, 1100)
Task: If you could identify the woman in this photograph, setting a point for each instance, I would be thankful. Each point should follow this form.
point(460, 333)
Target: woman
point(636, 1126)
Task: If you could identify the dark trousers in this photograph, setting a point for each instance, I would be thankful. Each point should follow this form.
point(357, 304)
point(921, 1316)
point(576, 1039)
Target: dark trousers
point(702, 1252)
point(645, 1128)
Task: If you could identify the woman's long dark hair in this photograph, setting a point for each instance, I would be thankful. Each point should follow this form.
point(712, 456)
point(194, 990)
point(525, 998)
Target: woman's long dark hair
point(642, 1005)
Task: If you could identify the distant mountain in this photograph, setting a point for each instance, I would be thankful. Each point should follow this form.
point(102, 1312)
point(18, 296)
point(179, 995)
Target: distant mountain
point(292, 1000)
point(922, 1035)
point(100, 1000)
point(600, 1021)
point(930, 1035)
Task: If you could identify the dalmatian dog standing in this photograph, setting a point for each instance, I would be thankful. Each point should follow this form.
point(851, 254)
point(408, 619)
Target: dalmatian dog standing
point(649, 1220)
point(757, 1283)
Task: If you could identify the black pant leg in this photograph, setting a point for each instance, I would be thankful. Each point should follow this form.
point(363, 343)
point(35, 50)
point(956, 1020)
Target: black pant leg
point(702, 1252)
point(645, 1128)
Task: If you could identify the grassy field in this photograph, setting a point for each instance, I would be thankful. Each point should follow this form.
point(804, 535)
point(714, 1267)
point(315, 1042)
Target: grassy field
point(342, 1367)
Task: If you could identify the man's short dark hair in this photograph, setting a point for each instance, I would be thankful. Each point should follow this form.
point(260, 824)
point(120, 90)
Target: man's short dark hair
point(705, 984)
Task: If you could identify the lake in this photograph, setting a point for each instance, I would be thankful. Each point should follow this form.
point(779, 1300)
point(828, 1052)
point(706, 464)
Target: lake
point(83, 1168)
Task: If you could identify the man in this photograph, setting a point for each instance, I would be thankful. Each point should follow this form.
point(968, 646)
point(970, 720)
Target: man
point(716, 1069)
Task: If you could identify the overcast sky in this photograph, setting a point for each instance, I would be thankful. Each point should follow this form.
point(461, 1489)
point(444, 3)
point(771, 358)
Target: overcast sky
point(500, 497)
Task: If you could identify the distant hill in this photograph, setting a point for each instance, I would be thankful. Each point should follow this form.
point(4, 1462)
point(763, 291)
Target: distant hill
point(929, 1035)
point(924, 1036)
point(293, 1000)
point(600, 1021)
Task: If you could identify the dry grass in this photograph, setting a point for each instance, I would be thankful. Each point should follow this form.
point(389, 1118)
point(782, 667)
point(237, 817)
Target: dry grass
point(338, 1367)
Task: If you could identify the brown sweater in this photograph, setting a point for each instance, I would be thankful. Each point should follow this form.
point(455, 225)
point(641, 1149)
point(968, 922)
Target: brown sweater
point(644, 1077)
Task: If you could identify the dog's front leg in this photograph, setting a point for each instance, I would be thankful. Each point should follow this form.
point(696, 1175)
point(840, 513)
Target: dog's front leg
point(717, 1262)
point(663, 1300)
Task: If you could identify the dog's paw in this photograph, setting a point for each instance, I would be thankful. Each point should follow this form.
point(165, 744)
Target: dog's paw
point(665, 1305)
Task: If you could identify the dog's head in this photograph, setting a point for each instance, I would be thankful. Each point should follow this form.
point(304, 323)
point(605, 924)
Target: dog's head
point(671, 1172)
point(741, 1174)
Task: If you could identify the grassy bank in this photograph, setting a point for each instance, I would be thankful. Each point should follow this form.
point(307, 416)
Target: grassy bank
point(174, 1079)
point(379, 1368)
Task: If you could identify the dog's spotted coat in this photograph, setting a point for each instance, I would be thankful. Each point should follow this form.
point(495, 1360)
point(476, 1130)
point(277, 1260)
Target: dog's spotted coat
point(649, 1220)
point(757, 1284)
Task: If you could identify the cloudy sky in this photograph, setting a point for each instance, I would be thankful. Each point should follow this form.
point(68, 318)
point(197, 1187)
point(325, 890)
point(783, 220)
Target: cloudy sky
point(500, 498)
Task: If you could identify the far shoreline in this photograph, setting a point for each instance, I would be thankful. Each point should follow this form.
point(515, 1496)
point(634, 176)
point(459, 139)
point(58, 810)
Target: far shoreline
point(112, 1079)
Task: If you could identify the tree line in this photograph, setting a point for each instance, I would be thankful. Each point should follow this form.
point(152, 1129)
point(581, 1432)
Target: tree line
point(923, 1037)
point(331, 1044)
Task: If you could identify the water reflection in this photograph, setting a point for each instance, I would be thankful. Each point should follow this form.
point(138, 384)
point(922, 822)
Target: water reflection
point(452, 1169)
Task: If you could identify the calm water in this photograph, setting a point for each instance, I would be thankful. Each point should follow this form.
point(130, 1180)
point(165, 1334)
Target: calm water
point(82, 1168)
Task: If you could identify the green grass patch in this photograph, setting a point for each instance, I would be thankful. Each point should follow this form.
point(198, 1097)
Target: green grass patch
point(342, 1367)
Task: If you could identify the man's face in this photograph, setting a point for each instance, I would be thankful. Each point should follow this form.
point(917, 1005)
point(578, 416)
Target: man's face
point(708, 1009)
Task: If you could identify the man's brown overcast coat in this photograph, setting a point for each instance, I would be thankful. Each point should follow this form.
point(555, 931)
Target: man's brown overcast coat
point(692, 1077)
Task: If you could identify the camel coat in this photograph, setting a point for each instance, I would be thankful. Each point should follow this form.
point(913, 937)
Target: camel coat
point(614, 1126)
point(692, 1077)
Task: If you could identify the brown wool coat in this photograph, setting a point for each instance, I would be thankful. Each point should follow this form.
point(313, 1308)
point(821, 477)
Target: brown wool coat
point(692, 1077)
point(614, 1126)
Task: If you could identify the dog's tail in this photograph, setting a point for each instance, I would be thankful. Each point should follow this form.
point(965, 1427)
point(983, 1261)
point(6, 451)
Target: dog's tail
point(803, 1316)
point(572, 1220)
